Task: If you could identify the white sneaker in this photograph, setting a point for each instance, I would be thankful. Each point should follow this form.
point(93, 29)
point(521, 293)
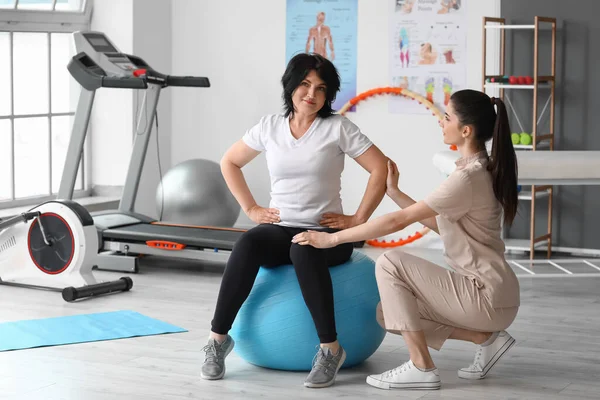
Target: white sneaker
point(406, 376)
point(487, 356)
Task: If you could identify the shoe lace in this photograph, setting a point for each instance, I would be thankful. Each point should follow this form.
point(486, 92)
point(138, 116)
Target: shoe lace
point(210, 352)
point(323, 361)
point(397, 371)
point(478, 353)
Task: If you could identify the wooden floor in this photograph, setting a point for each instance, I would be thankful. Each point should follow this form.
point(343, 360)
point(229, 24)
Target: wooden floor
point(557, 355)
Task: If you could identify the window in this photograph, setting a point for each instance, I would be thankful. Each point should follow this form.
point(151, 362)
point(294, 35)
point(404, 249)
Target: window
point(38, 97)
point(47, 5)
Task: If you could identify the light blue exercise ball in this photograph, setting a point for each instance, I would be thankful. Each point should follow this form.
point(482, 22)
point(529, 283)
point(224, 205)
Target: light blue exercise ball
point(274, 328)
point(194, 192)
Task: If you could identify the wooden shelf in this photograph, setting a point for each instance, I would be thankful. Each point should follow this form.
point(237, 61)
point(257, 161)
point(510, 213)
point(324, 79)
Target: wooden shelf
point(502, 26)
point(521, 244)
point(541, 145)
point(544, 82)
point(526, 194)
point(493, 85)
point(517, 27)
point(543, 140)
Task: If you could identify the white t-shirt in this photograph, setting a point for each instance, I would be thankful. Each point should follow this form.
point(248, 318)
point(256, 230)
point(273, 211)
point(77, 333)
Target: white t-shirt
point(306, 172)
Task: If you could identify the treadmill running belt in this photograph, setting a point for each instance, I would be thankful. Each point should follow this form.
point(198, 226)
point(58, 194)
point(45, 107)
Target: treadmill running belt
point(205, 238)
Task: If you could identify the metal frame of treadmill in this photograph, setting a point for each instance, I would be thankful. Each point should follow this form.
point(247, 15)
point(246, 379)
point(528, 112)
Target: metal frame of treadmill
point(120, 255)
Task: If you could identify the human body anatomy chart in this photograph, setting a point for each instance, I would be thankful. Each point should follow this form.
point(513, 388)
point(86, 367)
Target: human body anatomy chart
point(427, 50)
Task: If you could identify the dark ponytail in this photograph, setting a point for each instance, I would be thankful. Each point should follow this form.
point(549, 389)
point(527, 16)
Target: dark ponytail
point(503, 164)
point(477, 109)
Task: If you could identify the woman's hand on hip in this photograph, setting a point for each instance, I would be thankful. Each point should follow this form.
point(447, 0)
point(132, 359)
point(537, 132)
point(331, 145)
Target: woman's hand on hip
point(320, 240)
point(262, 215)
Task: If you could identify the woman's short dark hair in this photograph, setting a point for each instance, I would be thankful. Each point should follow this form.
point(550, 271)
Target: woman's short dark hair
point(298, 68)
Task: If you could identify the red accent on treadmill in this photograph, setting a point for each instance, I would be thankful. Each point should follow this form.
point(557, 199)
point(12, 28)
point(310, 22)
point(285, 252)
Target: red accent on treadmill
point(165, 245)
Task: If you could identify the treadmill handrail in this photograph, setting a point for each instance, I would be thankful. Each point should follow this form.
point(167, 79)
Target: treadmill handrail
point(124, 83)
point(188, 81)
point(153, 76)
point(91, 76)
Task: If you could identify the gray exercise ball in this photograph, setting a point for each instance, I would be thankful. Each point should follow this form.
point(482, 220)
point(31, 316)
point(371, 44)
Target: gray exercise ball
point(195, 193)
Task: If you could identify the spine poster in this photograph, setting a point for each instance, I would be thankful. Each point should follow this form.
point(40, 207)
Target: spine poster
point(428, 51)
point(326, 27)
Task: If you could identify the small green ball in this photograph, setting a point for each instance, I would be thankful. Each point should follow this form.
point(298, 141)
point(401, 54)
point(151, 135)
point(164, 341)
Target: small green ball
point(516, 138)
point(525, 138)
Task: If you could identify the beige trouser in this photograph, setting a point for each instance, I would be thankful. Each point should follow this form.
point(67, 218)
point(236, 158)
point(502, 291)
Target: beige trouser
point(419, 295)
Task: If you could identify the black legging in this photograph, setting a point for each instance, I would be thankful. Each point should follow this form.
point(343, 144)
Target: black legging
point(271, 245)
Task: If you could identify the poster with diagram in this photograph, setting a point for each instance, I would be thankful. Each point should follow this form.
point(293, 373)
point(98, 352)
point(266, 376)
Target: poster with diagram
point(328, 28)
point(427, 51)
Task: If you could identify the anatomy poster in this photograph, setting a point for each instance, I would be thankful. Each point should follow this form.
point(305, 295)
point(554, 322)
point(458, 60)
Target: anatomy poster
point(327, 28)
point(427, 51)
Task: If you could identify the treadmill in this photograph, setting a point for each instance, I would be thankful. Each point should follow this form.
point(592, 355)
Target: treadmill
point(125, 235)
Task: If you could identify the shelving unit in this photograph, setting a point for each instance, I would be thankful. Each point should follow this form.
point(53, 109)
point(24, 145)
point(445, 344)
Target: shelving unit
point(540, 140)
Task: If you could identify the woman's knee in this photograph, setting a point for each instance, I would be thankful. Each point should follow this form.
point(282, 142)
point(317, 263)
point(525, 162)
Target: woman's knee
point(389, 265)
point(304, 255)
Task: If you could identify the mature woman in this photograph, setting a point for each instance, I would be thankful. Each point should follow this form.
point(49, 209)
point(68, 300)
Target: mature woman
point(305, 151)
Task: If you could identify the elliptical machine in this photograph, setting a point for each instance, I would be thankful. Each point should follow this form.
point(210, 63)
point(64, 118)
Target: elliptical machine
point(52, 246)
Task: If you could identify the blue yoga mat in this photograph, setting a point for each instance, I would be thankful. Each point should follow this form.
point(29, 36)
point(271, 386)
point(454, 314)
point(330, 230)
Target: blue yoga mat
point(19, 335)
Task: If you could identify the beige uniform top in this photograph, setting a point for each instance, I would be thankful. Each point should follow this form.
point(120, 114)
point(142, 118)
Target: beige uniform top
point(469, 222)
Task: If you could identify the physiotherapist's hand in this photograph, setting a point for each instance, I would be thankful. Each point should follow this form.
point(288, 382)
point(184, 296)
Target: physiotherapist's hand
point(262, 215)
point(339, 221)
point(391, 183)
point(320, 240)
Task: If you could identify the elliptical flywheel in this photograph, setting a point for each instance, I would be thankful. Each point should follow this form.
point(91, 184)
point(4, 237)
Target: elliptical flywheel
point(56, 255)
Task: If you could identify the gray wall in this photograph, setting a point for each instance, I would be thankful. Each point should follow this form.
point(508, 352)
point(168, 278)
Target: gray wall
point(576, 208)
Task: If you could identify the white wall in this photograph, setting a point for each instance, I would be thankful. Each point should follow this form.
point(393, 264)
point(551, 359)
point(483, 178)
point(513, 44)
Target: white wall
point(142, 28)
point(240, 46)
point(111, 117)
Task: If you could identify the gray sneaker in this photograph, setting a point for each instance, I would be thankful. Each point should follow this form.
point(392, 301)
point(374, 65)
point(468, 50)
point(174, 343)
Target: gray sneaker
point(325, 368)
point(214, 358)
